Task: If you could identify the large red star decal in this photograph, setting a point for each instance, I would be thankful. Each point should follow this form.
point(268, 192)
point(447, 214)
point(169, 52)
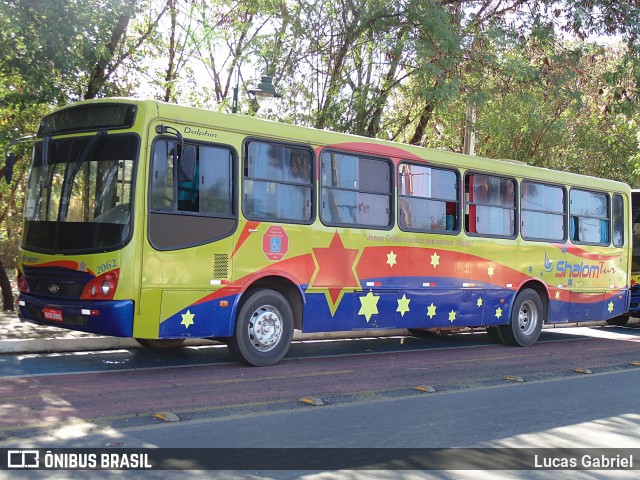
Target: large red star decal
point(335, 267)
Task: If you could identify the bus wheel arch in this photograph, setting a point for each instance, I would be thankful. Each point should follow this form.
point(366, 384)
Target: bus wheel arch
point(529, 312)
point(265, 321)
point(290, 291)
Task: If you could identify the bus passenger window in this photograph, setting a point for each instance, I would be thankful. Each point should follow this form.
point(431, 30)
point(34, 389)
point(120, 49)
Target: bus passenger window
point(492, 205)
point(355, 190)
point(202, 179)
point(589, 217)
point(428, 199)
point(542, 212)
point(618, 221)
point(277, 182)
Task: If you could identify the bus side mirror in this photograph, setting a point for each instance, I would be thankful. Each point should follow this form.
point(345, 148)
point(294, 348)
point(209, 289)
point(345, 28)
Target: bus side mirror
point(8, 166)
point(188, 164)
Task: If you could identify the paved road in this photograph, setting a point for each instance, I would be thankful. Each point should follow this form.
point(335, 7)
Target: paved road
point(100, 399)
point(126, 387)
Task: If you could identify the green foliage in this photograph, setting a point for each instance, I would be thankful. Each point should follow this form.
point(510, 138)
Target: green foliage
point(540, 88)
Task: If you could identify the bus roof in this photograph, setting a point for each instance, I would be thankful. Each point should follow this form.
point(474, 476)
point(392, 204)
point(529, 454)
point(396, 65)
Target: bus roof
point(258, 127)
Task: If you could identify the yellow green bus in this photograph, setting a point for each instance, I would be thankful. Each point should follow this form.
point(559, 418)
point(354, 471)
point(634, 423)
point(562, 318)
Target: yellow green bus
point(163, 222)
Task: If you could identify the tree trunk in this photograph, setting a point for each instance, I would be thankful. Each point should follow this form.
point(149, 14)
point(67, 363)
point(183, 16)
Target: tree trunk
point(170, 74)
point(7, 293)
point(100, 74)
point(421, 127)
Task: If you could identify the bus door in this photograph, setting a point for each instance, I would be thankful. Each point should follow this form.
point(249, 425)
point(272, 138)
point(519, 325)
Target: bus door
point(189, 242)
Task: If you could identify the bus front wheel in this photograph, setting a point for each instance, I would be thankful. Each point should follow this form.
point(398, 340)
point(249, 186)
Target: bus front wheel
point(527, 317)
point(264, 329)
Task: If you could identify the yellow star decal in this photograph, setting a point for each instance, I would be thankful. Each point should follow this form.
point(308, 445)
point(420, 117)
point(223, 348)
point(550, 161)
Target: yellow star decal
point(187, 319)
point(431, 310)
point(490, 271)
point(479, 302)
point(610, 307)
point(452, 316)
point(557, 295)
point(498, 312)
point(391, 259)
point(435, 259)
point(403, 305)
point(369, 305)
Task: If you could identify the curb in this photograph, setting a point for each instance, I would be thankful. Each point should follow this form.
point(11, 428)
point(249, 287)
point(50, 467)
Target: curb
point(49, 345)
point(90, 343)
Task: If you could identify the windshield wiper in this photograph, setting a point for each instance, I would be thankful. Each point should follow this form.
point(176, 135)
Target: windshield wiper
point(83, 156)
point(68, 181)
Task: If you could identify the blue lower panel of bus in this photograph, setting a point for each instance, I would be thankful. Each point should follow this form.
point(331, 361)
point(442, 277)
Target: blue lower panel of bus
point(113, 318)
point(440, 308)
point(200, 320)
point(634, 306)
point(377, 308)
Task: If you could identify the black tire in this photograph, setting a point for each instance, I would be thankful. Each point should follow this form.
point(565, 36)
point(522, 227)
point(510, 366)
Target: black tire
point(495, 335)
point(263, 330)
point(161, 343)
point(527, 317)
point(620, 320)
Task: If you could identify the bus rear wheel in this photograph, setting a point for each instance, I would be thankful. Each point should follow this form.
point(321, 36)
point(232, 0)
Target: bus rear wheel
point(160, 343)
point(620, 320)
point(264, 329)
point(527, 317)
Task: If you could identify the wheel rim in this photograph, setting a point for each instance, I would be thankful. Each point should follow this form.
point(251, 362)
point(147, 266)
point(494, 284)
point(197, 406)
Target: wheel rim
point(528, 317)
point(265, 328)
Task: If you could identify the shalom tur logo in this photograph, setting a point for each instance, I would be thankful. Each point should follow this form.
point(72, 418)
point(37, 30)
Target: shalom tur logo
point(577, 270)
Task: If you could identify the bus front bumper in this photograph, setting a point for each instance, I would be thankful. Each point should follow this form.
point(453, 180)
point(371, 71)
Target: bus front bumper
point(113, 318)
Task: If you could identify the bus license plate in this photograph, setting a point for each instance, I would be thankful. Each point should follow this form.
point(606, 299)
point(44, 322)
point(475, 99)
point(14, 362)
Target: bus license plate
point(53, 315)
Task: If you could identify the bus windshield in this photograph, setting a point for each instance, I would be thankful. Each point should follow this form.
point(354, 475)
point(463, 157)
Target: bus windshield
point(79, 193)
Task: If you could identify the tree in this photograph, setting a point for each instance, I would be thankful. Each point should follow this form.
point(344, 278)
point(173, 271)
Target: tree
point(51, 53)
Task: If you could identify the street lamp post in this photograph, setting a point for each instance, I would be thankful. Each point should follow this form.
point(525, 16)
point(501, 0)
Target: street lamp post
point(263, 91)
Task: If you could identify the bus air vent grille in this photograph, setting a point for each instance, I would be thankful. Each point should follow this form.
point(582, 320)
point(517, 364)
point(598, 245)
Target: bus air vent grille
point(220, 265)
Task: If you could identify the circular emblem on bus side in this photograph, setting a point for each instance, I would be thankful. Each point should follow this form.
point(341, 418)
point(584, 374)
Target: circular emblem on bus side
point(54, 288)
